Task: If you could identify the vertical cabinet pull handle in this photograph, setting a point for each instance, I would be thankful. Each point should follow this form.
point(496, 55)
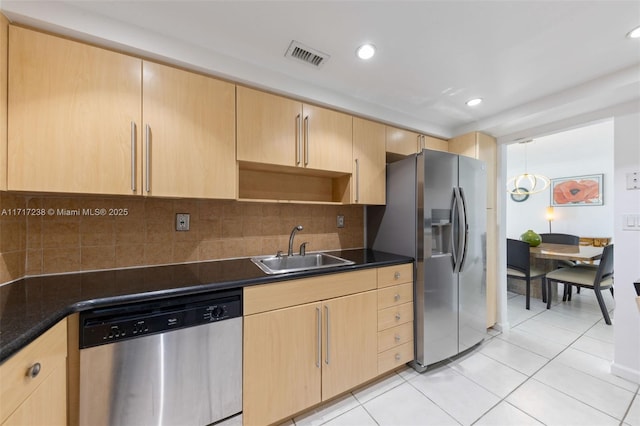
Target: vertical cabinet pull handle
point(396, 297)
point(306, 140)
point(398, 316)
point(396, 338)
point(148, 157)
point(396, 275)
point(326, 309)
point(398, 357)
point(319, 324)
point(133, 156)
point(299, 139)
point(357, 181)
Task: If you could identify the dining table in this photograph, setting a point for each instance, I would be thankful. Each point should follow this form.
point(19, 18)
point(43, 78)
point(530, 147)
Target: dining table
point(566, 252)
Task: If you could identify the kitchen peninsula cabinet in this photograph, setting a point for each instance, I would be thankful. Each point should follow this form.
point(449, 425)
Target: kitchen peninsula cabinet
point(369, 178)
point(401, 142)
point(189, 134)
point(283, 132)
point(73, 115)
point(299, 354)
point(76, 117)
point(34, 382)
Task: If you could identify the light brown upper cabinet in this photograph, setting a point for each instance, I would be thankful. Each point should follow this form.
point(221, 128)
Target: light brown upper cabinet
point(189, 134)
point(4, 47)
point(405, 142)
point(76, 123)
point(73, 114)
point(368, 183)
point(482, 147)
point(283, 132)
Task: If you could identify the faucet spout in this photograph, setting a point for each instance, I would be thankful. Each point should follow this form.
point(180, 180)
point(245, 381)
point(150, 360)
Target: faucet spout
point(293, 234)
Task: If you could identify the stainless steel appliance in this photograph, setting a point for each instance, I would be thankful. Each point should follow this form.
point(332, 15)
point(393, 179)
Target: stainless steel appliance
point(176, 361)
point(435, 212)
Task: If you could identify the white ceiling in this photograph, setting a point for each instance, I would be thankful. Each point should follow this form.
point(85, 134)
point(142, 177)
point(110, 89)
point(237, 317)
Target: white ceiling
point(533, 62)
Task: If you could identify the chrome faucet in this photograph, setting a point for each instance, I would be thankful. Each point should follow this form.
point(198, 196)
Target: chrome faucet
point(293, 234)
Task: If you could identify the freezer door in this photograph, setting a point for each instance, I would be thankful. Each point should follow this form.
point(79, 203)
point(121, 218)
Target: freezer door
point(472, 276)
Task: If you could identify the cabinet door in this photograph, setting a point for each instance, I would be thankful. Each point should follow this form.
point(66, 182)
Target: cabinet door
point(368, 184)
point(464, 145)
point(47, 405)
point(190, 125)
point(349, 355)
point(269, 128)
point(327, 139)
point(400, 141)
point(281, 373)
point(436, 144)
point(74, 116)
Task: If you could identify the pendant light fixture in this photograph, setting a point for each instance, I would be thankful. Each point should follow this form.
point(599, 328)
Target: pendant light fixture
point(527, 183)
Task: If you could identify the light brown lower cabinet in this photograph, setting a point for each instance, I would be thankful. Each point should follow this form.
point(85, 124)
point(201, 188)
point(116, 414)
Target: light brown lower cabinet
point(33, 382)
point(297, 357)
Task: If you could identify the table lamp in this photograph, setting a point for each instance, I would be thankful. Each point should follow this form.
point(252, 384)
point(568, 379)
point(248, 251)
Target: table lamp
point(549, 216)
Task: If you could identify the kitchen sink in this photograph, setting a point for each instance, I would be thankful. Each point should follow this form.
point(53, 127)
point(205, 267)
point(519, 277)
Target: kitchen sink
point(283, 264)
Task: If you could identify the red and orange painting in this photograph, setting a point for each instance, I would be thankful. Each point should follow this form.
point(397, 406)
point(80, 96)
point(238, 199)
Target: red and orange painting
point(577, 191)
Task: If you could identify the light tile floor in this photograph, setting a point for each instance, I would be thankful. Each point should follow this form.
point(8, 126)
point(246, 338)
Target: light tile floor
point(551, 368)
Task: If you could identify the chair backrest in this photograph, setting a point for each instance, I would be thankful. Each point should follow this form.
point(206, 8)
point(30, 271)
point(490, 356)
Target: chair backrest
point(518, 256)
point(605, 268)
point(572, 240)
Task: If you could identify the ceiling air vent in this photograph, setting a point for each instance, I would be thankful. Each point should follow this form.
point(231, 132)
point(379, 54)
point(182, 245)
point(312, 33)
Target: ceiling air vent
point(306, 54)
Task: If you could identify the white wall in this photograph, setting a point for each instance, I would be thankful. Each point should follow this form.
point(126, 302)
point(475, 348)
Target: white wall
point(581, 151)
point(627, 250)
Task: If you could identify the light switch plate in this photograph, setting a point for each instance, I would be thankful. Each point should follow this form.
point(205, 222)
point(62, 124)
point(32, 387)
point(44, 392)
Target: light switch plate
point(340, 221)
point(631, 222)
point(182, 221)
point(633, 180)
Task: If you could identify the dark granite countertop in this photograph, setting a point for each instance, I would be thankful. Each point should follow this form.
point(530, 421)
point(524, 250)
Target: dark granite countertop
point(32, 305)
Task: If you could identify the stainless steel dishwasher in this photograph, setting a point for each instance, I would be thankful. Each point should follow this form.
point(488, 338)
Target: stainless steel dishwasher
point(176, 361)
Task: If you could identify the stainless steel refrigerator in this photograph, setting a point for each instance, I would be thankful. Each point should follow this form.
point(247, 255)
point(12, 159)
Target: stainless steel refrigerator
point(436, 213)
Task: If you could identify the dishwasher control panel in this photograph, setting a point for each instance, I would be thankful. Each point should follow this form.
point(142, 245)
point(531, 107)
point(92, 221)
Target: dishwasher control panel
point(112, 324)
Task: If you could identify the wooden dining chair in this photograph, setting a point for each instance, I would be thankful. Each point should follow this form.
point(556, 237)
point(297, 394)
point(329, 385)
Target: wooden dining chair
point(519, 267)
point(597, 279)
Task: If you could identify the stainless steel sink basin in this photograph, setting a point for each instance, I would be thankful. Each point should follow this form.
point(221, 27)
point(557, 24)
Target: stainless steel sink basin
point(283, 264)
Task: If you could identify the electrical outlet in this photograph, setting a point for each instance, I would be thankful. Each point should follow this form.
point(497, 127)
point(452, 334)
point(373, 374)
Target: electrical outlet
point(182, 221)
point(340, 221)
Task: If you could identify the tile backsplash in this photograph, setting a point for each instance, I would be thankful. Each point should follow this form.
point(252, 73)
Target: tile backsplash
point(89, 233)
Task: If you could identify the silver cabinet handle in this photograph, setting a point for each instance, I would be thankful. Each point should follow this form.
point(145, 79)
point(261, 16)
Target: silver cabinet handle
point(326, 310)
point(133, 156)
point(306, 140)
point(34, 370)
point(299, 137)
point(398, 316)
point(396, 338)
point(357, 181)
point(319, 323)
point(148, 157)
point(396, 276)
point(398, 357)
point(396, 297)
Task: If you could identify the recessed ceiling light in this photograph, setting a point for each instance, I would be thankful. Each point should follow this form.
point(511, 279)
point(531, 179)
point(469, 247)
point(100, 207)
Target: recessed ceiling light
point(634, 33)
point(474, 102)
point(366, 51)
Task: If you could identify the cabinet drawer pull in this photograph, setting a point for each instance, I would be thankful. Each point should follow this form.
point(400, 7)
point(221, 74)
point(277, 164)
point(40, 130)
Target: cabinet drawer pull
point(396, 297)
point(398, 316)
point(396, 338)
point(133, 156)
point(396, 276)
point(398, 357)
point(357, 181)
point(34, 370)
point(148, 157)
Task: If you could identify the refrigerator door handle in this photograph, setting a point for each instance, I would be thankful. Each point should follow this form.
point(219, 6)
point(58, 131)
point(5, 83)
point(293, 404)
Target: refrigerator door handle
point(454, 222)
point(461, 225)
point(464, 229)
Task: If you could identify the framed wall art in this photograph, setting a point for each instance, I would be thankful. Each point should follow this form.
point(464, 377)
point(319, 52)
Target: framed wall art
point(577, 191)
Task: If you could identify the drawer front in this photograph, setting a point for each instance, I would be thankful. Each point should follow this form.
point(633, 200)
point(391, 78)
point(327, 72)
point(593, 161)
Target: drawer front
point(396, 295)
point(393, 358)
point(49, 350)
point(395, 315)
point(395, 336)
point(394, 275)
